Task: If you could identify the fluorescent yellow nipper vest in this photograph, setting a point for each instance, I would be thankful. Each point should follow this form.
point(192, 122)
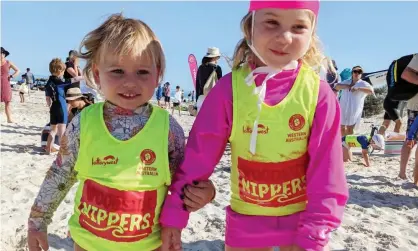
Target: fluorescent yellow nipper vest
point(123, 184)
point(352, 141)
point(272, 181)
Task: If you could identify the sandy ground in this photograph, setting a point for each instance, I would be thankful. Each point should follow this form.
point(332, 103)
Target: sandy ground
point(382, 213)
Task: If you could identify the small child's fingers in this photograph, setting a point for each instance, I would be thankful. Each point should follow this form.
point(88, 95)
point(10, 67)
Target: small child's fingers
point(166, 240)
point(191, 203)
point(194, 194)
point(176, 240)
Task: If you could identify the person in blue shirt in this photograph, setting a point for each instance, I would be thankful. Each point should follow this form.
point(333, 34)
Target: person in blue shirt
point(55, 99)
point(377, 142)
point(411, 140)
point(159, 94)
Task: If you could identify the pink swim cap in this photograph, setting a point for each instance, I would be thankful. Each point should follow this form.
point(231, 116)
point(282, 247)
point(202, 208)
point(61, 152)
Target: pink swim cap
point(312, 5)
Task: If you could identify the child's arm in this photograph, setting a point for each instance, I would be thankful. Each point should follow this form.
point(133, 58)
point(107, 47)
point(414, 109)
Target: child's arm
point(48, 101)
point(205, 146)
point(413, 129)
point(366, 158)
point(58, 181)
point(326, 182)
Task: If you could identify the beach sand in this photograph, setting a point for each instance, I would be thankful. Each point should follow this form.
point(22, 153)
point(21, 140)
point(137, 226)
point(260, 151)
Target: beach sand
point(382, 213)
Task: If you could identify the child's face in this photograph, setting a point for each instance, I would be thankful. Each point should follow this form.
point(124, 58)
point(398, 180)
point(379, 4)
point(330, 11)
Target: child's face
point(126, 81)
point(282, 36)
point(61, 73)
point(78, 103)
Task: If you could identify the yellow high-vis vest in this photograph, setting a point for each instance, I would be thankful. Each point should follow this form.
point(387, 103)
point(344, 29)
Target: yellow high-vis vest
point(271, 182)
point(123, 184)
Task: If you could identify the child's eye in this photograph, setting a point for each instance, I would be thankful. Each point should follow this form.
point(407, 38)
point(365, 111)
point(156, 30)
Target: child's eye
point(271, 23)
point(300, 27)
point(117, 71)
point(143, 72)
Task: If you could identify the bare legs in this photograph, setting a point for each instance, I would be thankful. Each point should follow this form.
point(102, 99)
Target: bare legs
point(405, 155)
point(22, 98)
point(59, 130)
point(386, 123)
point(8, 111)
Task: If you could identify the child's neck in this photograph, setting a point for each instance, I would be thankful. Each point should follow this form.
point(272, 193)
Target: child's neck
point(113, 108)
point(290, 66)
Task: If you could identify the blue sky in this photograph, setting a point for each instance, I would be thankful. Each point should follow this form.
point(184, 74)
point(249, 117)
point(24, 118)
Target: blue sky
point(371, 34)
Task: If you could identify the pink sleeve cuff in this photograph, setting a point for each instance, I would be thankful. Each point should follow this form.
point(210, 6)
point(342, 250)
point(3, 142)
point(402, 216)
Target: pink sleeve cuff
point(173, 216)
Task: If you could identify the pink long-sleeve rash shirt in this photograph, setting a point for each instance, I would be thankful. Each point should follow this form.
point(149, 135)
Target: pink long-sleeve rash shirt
point(327, 190)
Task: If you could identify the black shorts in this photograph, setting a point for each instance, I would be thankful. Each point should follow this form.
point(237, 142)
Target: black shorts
point(391, 109)
point(411, 118)
point(167, 99)
point(57, 115)
point(176, 104)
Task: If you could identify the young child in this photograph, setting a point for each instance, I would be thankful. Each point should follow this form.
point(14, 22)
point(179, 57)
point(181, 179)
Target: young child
point(411, 140)
point(55, 99)
point(287, 175)
point(177, 101)
point(111, 148)
point(23, 89)
point(377, 142)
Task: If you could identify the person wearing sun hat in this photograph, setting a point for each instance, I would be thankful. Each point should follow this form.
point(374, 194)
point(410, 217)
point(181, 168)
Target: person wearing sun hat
point(77, 101)
point(209, 65)
point(288, 184)
point(353, 93)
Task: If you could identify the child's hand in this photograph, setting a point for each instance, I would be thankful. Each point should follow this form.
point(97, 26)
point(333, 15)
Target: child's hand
point(198, 195)
point(410, 143)
point(171, 238)
point(37, 241)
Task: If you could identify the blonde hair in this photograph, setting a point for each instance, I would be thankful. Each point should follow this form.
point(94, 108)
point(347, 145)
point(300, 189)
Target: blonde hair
point(56, 66)
point(243, 53)
point(122, 36)
point(329, 66)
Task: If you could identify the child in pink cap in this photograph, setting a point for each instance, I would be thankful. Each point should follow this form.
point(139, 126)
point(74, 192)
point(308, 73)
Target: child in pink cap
point(288, 187)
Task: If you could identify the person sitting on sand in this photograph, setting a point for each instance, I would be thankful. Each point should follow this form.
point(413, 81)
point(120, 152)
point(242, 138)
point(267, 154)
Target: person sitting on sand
point(77, 101)
point(123, 152)
point(377, 142)
point(411, 140)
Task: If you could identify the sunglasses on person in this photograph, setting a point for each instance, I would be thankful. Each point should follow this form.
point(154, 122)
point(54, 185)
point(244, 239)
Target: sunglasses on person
point(358, 71)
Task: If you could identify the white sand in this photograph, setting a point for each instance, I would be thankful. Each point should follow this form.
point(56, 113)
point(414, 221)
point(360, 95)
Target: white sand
point(382, 213)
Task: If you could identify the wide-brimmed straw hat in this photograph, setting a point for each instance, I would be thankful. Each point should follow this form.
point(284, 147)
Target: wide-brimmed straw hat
point(213, 52)
point(73, 94)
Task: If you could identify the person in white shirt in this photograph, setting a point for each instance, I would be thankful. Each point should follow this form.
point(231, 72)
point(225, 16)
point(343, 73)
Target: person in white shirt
point(353, 93)
point(176, 101)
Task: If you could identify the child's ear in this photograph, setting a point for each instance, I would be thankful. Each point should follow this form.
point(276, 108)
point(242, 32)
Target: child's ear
point(96, 74)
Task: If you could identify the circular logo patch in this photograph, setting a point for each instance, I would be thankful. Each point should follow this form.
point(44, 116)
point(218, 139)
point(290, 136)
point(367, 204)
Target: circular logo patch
point(148, 156)
point(296, 122)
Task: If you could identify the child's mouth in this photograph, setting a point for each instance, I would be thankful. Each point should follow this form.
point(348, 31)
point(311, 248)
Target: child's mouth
point(128, 95)
point(278, 53)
